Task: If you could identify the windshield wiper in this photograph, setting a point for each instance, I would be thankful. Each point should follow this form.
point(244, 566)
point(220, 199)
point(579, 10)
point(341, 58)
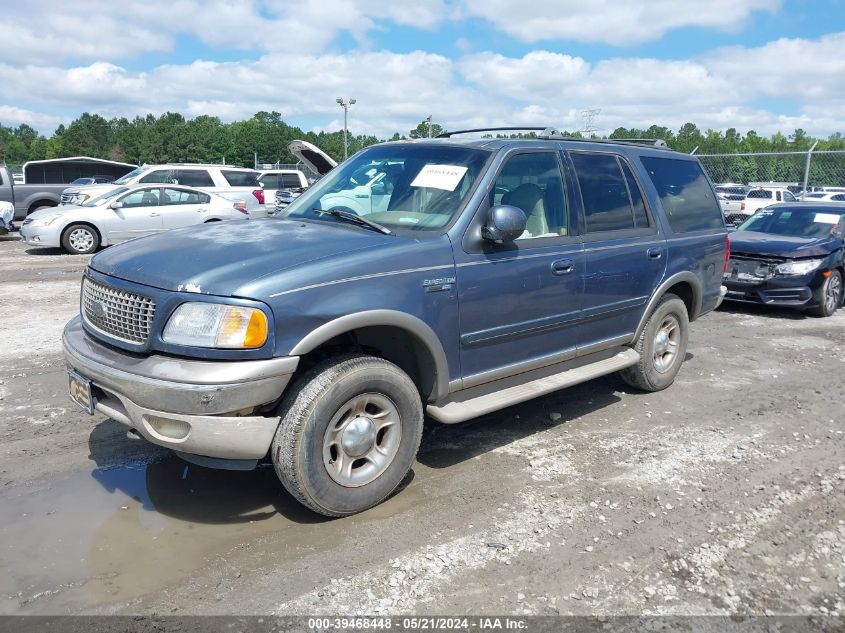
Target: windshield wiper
point(354, 219)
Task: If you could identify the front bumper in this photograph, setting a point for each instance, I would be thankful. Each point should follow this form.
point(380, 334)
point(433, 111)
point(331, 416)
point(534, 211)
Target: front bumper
point(190, 406)
point(36, 235)
point(794, 296)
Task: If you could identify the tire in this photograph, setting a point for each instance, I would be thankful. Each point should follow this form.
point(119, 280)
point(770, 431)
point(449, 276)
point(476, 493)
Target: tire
point(655, 370)
point(80, 239)
point(319, 430)
point(828, 296)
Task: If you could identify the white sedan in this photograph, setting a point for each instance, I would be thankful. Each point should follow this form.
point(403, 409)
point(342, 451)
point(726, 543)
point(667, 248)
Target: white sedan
point(126, 213)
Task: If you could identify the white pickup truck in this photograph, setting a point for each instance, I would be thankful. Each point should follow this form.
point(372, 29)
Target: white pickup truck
point(756, 199)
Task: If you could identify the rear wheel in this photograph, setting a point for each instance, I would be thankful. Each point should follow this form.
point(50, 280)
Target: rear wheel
point(662, 346)
point(80, 239)
point(828, 296)
point(349, 432)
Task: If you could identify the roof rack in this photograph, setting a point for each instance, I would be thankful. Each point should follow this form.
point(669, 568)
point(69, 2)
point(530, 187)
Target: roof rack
point(545, 132)
point(552, 133)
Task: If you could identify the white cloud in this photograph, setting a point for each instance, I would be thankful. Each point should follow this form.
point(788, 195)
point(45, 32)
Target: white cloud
point(11, 116)
point(616, 22)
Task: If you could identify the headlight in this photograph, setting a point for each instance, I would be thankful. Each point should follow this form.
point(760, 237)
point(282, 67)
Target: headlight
point(798, 268)
point(216, 325)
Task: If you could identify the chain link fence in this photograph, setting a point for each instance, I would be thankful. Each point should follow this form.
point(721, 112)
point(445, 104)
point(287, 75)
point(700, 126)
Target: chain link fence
point(794, 169)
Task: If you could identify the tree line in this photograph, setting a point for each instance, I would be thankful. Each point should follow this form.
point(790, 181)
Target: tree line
point(206, 139)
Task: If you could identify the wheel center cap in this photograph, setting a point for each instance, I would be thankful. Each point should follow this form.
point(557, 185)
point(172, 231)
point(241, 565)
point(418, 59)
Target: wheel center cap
point(661, 342)
point(358, 437)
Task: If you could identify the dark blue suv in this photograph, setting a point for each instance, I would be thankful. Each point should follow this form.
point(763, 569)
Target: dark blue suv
point(448, 277)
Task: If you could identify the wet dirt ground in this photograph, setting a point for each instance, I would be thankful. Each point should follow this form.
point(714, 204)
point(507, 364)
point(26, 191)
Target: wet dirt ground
point(720, 495)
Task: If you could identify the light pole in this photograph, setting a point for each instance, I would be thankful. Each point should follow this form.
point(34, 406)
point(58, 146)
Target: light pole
point(345, 107)
point(428, 118)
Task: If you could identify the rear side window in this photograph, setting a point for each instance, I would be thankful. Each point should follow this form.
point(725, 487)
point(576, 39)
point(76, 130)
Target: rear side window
point(686, 194)
point(195, 178)
point(606, 193)
point(241, 178)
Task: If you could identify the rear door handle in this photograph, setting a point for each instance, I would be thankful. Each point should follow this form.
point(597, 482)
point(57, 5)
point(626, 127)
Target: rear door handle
point(655, 253)
point(563, 266)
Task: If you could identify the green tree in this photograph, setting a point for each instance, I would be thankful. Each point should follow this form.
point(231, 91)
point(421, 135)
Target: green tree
point(421, 131)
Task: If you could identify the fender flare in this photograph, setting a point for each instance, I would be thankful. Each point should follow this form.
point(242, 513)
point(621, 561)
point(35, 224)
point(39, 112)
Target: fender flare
point(374, 318)
point(684, 276)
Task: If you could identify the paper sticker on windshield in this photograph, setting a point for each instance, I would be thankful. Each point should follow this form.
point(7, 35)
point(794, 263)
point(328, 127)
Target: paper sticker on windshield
point(444, 177)
point(827, 218)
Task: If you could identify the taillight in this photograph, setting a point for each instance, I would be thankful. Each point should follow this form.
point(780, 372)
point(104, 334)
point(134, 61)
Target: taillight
point(727, 254)
point(259, 195)
point(742, 206)
point(241, 206)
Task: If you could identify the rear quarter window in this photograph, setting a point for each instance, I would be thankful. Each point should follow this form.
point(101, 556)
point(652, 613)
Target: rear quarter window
point(685, 194)
point(241, 178)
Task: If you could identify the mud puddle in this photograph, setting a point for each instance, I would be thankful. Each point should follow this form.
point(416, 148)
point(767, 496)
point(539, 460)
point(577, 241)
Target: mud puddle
point(86, 539)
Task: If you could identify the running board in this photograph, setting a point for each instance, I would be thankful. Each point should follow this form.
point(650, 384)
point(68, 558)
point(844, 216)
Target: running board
point(471, 403)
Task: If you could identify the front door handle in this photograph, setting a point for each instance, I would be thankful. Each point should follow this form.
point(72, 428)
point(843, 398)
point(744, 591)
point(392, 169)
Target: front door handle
point(655, 253)
point(154, 215)
point(563, 266)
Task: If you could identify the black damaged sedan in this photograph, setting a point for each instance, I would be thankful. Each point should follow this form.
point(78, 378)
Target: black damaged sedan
point(789, 255)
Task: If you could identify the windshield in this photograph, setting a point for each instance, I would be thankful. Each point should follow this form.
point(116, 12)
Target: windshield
point(93, 202)
point(400, 186)
point(83, 181)
point(135, 172)
point(794, 222)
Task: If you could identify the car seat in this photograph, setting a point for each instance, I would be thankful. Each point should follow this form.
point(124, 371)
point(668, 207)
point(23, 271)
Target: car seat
point(529, 198)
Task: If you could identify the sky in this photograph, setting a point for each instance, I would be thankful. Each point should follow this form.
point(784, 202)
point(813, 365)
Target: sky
point(766, 65)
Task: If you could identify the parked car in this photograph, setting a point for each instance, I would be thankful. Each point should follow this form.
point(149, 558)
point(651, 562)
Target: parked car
point(315, 159)
point(497, 270)
point(283, 198)
point(27, 198)
point(820, 196)
point(274, 180)
point(789, 255)
point(234, 183)
point(93, 180)
point(761, 197)
point(126, 213)
point(730, 197)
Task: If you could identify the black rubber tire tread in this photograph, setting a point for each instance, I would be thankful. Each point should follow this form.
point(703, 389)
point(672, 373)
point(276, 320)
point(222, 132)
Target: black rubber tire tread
point(643, 375)
point(306, 410)
point(66, 242)
point(819, 295)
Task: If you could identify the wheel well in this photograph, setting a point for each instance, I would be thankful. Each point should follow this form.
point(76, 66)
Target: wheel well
point(685, 292)
point(41, 203)
point(391, 343)
point(88, 224)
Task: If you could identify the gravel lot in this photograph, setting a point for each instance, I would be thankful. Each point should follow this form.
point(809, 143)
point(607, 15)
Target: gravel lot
point(720, 495)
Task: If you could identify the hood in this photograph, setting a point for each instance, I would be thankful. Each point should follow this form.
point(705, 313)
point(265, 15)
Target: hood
point(230, 258)
point(47, 212)
point(316, 159)
point(754, 243)
point(91, 190)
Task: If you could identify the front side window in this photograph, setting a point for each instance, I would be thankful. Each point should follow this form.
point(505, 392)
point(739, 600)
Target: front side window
point(788, 197)
point(605, 193)
point(685, 193)
point(140, 198)
point(159, 176)
point(533, 183)
point(400, 186)
point(194, 178)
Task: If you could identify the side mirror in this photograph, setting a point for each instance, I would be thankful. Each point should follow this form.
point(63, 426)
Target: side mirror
point(505, 224)
point(116, 205)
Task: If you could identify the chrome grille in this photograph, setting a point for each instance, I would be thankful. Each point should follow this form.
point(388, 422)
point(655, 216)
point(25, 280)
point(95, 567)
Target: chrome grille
point(67, 198)
point(124, 315)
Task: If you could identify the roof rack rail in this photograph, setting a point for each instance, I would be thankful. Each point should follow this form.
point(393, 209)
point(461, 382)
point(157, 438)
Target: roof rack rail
point(656, 142)
point(545, 132)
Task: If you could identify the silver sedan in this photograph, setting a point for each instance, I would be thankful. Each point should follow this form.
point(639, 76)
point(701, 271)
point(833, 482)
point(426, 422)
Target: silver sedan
point(126, 213)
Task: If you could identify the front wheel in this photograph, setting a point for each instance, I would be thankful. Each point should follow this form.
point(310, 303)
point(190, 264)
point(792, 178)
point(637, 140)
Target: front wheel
point(662, 346)
point(828, 296)
point(349, 432)
point(80, 239)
